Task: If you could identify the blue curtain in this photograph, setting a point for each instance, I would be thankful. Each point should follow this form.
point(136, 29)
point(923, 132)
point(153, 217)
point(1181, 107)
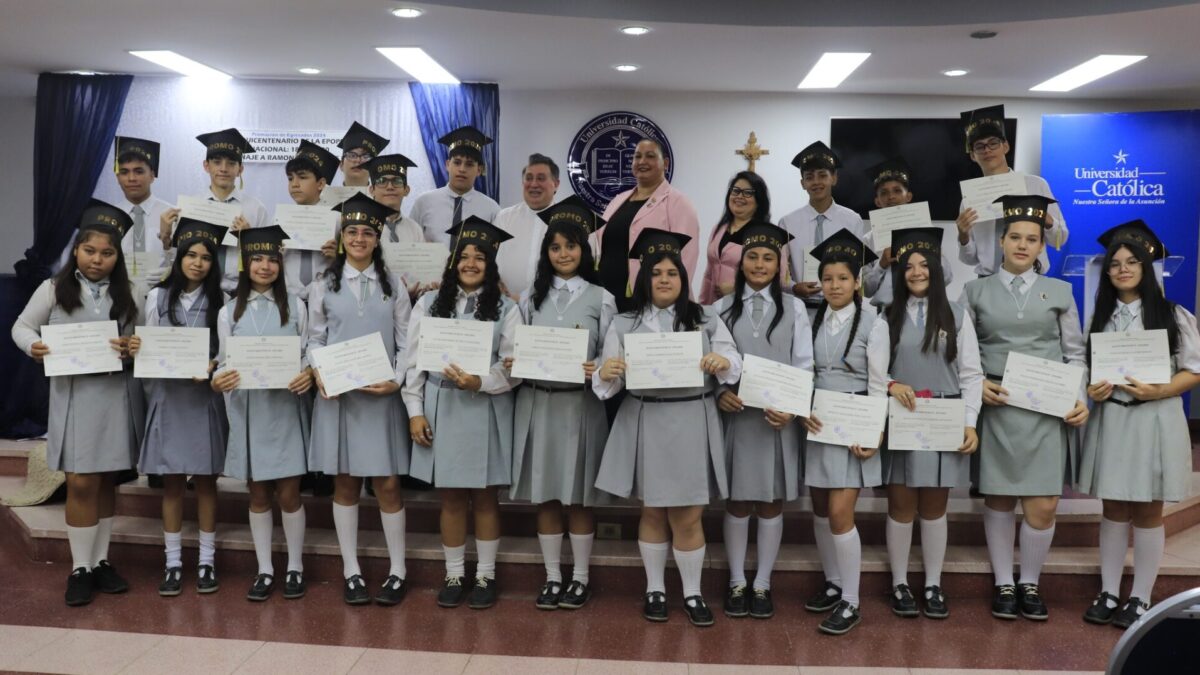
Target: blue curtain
point(442, 108)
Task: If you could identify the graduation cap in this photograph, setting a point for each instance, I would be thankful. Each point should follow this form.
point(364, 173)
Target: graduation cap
point(924, 240)
point(189, 231)
point(894, 168)
point(983, 123)
point(761, 233)
point(1025, 208)
point(1134, 233)
point(572, 211)
point(324, 163)
point(843, 246)
point(259, 241)
point(358, 136)
point(653, 240)
point(100, 215)
point(466, 141)
point(817, 156)
point(389, 165)
point(360, 209)
point(128, 146)
point(475, 230)
point(228, 143)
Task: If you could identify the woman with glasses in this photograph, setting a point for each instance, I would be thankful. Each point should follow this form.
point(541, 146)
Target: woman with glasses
point(746, 199)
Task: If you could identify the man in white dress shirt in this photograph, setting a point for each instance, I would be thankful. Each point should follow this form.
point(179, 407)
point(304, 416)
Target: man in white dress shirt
point(448, 206)
point(517, 261)
point(389, 186)
point(137, 167)
point(308, 173)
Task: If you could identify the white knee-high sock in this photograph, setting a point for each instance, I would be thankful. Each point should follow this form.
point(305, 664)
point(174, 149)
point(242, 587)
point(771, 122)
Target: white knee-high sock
point(1000, 527)
point(83, 542)
point(691, 565)
point(1148, 545)
point(261, 526)
point(486, 551)
point(770, 535)
point(103, 536)
point(899, 545)
point(654, 559)
point(208, 548)
point(293, 533)
point(933, 549)
point(393, 534)
point(173, 546)
point(849, 556)
point(1035, 547)
point(825, 550)
point(552, 555)
point(455, 560)
point(1114, 542)
point(737, 535)
point(581, 553)
point(345, 523)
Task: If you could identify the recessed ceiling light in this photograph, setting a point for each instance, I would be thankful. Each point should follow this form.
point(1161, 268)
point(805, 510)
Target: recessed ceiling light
point(625, 67)
point(832, 69)
point(415, 62)
point(181, 64)
point(310, 71)
point(983, 34)
point(407, 12)
point(955, 72)
point(635, 30)
point(1088, 71)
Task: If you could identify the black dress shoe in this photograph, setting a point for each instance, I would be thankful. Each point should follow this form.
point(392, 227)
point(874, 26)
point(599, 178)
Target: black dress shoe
point(761, 606)
point(354, 592)
point(935, 603)
point(155, 481)
point(294, 587)
point(903, 602)
point(575, 596)
point(106, 579)
point(825, 599)
point(1101, 612)
point(735, 601)
point(655, 607)
point(172, 583)
point(697, 611)
point(452, 593)
point(79, 587)
point(1004, 602)
point(264, 585)
point(839, 622)
point(550, 596)
point(1032, 606)
point(392, 591)
point(1132, 611)
point(206, 580)
point(483, 594)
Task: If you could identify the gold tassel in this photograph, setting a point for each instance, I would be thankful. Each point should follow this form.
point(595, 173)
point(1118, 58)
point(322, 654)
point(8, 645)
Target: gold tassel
point(241, 183)
point(341, 248)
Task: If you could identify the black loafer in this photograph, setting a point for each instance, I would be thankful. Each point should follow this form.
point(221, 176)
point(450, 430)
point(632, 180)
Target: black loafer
point(294, 587)
point(1101, 612)
point(697, 611)
point(264, 585)
point(354, 591)
point(453, 593)
point(550, 595)
point(1032, 607)
point(839, 622)
point(172, 583)
point(392, 591)
point(903, 602)
point(206, 580)
point(79, 587)
point(825, 599)
point(1004, 602)
point(655, 607)
point(575, 596)
point(761, 606)
point(735, 602)
point(106, 579)
point(935, 603)
point(1132, 611)
point(483, 594)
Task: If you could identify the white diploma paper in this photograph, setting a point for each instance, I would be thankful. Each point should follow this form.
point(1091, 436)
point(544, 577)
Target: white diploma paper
point(1041, 385)
point(352, 364)
point(333, 195)
point(849, 419)
point(663, 360)
point(418, 261)
point(210, 211)
point(811, 271)
point(307, 227)
point(140, 263)
point(778, 386)
point(172, 353)
point(1142, 355)
point(550, 353)
point(80, 348)
point(464, 342)
point(937, 424)
point(886, 221)
point(981, 193)
point(267, 362)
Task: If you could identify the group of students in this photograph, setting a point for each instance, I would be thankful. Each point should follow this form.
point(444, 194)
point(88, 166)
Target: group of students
point(675, 450)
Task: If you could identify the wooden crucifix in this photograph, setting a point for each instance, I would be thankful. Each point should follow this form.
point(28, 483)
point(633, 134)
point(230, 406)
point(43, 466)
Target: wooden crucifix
point(752, 151)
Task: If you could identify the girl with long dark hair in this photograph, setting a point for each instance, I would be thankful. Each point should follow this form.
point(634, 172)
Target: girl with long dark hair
point(746, 200)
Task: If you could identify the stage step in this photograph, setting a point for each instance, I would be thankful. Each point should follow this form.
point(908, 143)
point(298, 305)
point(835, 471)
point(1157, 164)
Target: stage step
point(14, 455)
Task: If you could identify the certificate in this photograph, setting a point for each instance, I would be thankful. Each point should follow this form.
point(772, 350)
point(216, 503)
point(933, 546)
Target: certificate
point(419, 261)
point(352, 364)
point(307, 227)
point(1140, 354)
point(210, 211)
point(333, 195)
point(80, 348)
point(886, 221)
point(811, 270)
point(663, 360)
point(550, 353)
point(981, 193)
point(778, 386)
point(849, 419)
point(1041, 385)
point(172, 353)
point(466, 343)
point(138, 264)
point(937, 424)
point(266, 362)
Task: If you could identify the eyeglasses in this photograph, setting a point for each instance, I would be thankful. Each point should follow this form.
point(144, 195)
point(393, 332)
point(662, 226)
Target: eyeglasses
point(741, 192)
point(390, 181)
point(1116, 266)
point(986, 145)
point(357, 156)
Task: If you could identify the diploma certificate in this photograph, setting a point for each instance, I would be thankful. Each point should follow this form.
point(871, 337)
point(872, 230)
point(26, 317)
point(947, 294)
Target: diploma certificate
point(352, 364)
point(937, 424)
point(80, 348)
point(886, 221)
point(466, 343)
point(172, 353)
point(811, 269)
point(418, 261)
point(265, 362)
point(307, 227)
point(333, 195)
point(981, 193)
point(778, 386)
point(1141, 354)
point(1041, 385)
point(849, 419)
point(663, 360)
point(550, 353)
point(210, 211)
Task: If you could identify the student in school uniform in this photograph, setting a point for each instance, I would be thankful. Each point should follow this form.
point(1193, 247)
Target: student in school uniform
point(186, 426)
point(1023, 455)
point(834, 474)
point(361, 434)
point(268, 428)
point(389, 186)
point(1136, 450)
point(665, 447)
point(145, 250)
point(308, 173)
point(762, 447)
point(923, 347)
point(461, 424)
point(560, 428)
point(359, 145)
point(450, 205)
point(95, 421)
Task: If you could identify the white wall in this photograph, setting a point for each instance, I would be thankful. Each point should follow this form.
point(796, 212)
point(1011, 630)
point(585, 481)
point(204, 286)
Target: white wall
point(16, 188)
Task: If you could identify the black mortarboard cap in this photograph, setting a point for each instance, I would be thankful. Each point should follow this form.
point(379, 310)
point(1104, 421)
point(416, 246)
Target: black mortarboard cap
point(574, 211)
point(760, 233)
point(145, 150)
point(1029, 208)
point(467, 141)
point(360, 209)
point(1134, 233)
point(100, 215)
point(982, 123)
point(844, 246)
point(653, 240)
point(358, 136)
point(189, 231)
point(228, 142)
point(256, 240)
point(924, 240)
point(817, 156)
point(481, 233)
point(894, 168)
point(389, 165)
point(323, 162)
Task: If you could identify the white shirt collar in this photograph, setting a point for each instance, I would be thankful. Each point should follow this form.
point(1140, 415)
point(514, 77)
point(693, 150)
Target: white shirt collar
point(350, 272)
point(191, 296)
point(127, 206)
point(235, 196)
point(913, 301)
point(463, 294)
point(1135, 307)
point(573, 284)
point(1028, 276)
point(652, 311)
point(838, 318)
point(88, 282)
point(810, 212)
point(750, 293)
point(466, 196)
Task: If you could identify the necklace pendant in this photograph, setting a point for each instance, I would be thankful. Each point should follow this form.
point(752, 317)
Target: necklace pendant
point(1020, 315)
point(560, 318)
point(755, 333)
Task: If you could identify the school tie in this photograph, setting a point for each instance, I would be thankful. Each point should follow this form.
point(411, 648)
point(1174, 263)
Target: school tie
point(1017, 284)
point(1124, 318)
point(469, 309)
point(456, 219)
point(139, 229)
point(819, 236)
point(921, 314)
point(664, 321)
point(563, 299)
point(756, 308)
point(391, 226)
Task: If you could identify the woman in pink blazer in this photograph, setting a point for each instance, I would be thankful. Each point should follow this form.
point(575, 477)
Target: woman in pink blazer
point(745, 200)
point(653, 203)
